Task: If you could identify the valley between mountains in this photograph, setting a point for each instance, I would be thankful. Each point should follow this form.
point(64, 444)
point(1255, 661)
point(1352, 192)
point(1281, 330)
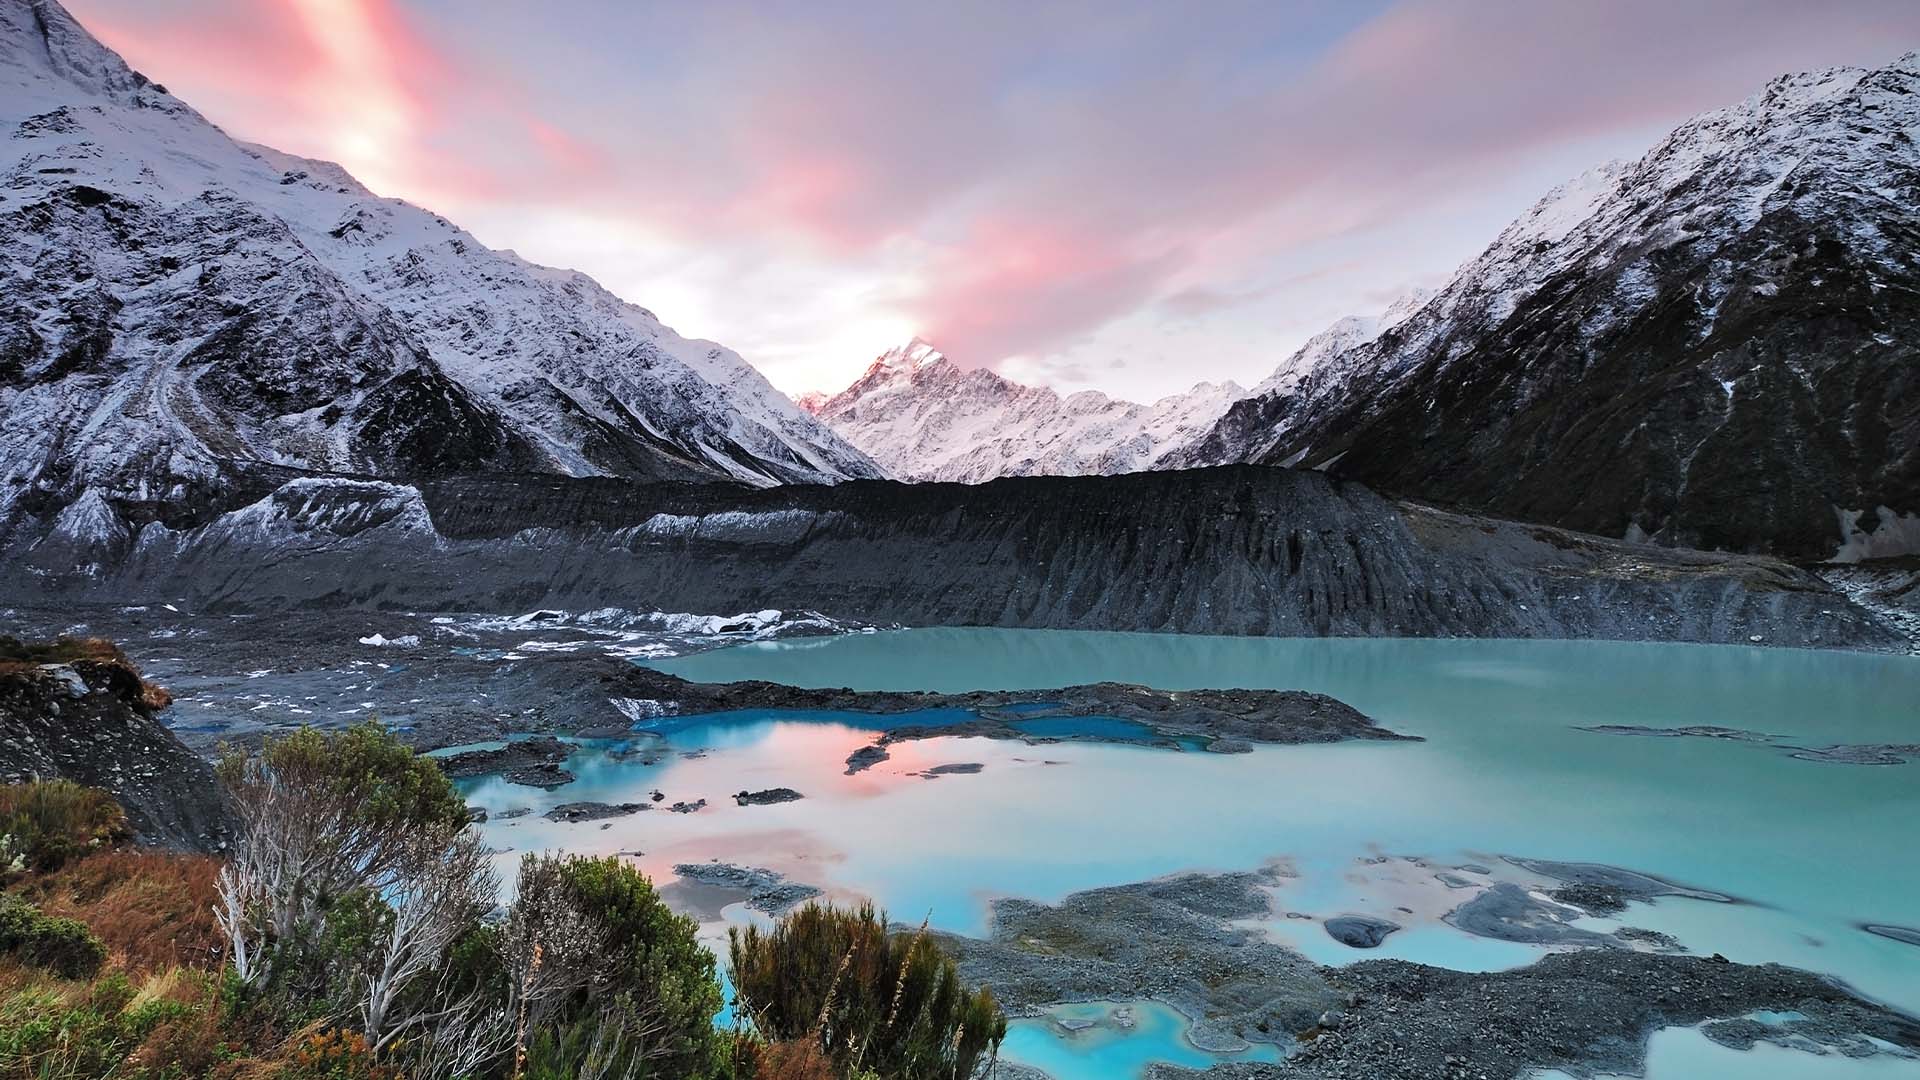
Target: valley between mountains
point(416, 661)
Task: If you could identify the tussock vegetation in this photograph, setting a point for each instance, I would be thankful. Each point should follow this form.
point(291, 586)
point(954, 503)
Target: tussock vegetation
point(352, 934)
point(63, 650)
point(46, 823)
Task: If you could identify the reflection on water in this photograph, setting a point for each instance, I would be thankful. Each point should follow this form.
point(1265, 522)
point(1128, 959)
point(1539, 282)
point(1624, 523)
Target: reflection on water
point(1817, 847)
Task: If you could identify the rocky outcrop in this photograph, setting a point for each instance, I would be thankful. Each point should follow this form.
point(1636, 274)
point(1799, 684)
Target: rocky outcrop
point(78, 711)
point(1236, 550)
point(534, 762)
point(1173, 718)
point(1712, 346)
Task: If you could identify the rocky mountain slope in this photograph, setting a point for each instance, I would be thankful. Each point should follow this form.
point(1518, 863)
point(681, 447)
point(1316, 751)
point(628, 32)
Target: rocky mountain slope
point(176, 302)
point(1234, 550)
point(923, 417)
point(1713, 346)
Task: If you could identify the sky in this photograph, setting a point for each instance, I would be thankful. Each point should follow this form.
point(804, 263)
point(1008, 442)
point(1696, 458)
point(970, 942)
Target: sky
point(1130, 197)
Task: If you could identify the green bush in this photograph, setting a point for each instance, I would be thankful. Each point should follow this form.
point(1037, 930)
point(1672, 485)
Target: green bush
point(642, 993)
point(63, 946)
point(389, 787)
point(872, 1000)
point(46, 823)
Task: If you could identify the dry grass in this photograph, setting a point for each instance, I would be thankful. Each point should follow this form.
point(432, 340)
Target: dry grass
point(795, 1059)
point(153, 911)
point(47, 823)
point(64, 650)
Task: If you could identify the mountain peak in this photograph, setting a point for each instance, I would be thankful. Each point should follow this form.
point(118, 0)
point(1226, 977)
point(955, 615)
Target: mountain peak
point(40, 36)
point(915, 354)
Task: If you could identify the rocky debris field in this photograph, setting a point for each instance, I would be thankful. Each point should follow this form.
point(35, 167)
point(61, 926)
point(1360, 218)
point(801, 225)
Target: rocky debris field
point(1186, 941)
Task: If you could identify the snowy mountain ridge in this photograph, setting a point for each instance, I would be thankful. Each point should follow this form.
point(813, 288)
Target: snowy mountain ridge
point(178, 302)
point(1636, 352)
point(925, 418)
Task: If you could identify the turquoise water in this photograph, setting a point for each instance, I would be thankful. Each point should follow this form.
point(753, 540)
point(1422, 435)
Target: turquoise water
point(1364, 827)
point(1108, 1049)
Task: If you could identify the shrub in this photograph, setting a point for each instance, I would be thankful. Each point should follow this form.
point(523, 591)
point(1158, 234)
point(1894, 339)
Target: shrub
point(870, 999)
point(336, 1054)
point(63, 946)
point(326, 821)
point(610, 981)
point(46, 823)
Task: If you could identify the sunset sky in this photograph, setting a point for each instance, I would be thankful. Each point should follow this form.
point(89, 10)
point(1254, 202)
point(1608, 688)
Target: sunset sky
point(1128, 197)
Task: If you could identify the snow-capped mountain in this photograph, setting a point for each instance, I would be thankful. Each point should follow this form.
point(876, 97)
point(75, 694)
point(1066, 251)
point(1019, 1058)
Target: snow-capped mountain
point(1714, 345)
point(924, 417)
point(178, 303)
point(1336, 341)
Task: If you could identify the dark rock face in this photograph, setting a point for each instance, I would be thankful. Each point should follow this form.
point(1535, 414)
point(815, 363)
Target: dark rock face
point(91, 721)
point(1236, 550)
point(1359, 931)
point(1719, 352)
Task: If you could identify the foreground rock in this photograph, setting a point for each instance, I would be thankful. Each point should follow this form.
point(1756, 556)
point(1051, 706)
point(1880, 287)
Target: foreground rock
point(1169, 940)
point(79, 711)
point(1584, 1012)
point(1232, 550)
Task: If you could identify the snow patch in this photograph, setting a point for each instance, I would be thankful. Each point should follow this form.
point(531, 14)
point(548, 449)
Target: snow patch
point(1893, 534)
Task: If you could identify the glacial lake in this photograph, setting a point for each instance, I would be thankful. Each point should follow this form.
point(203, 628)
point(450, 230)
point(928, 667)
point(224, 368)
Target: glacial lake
point(1815, 849)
